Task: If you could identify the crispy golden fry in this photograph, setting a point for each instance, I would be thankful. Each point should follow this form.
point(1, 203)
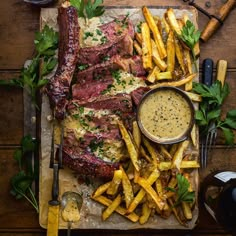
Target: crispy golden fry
point(138, 37)
point(178, 157)
point(146, 212)
point(193, 135)
point(164, 75)
point(149, 189)
point(156, 34)
point(156, 57)
point(179, 55)
point(169, 194)
point(139, 197)
point(112, 207)
point(173, 182)
point(122, 211)
point(115, 183)
point(166, 165)
point(166, 212)
point(152, 74)
point(187, 210)
point(127, 188)
point(194, 97)
point(165, 153)
point(146, 46)
point(101, 189)
point(173, 149)
point(137, 48)
point(130, 146)
point(136, 134)
point(175, 83)
point(166, 24)
point(170, 52)
point(188, 62)
point(145, 155)
point(159, 187)
point(173, 21)
point(175, 212)
point(151, 150)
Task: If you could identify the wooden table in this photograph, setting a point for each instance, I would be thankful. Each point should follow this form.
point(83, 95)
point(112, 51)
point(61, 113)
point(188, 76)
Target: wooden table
point(18, 24)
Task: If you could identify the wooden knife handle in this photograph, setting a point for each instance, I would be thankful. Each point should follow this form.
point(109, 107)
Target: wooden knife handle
point(221, 71)
point(53, 220)
point(214, 24)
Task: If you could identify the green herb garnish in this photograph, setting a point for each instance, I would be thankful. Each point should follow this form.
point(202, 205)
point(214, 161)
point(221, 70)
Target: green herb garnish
point(182, 191)
point(21, 183)
point(88, 9)
point(190, 36)
point(46, 43)
point(214, 96)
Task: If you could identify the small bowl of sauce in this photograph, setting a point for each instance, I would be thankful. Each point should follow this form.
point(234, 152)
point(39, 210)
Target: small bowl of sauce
point(165, 115)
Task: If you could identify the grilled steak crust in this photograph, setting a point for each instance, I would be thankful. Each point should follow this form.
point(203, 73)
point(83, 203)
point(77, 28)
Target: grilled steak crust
point(58, 87)
point(86, 164)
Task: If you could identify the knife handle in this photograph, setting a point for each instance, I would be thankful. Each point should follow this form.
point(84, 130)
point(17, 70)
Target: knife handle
point(207, 71)
point(221, 71)
point(53, 220)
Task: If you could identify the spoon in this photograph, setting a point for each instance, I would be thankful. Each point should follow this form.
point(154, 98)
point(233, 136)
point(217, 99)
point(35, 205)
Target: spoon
point(71, 204)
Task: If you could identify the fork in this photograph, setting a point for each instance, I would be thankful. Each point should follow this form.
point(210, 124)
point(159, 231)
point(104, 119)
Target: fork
point(206, 141)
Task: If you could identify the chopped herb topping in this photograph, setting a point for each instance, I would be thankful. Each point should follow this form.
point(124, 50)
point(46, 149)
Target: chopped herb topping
point(99, 32)
point(103, 39)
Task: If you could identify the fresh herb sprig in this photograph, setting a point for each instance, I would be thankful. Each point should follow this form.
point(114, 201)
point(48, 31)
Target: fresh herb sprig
point(182, 191)
point(21, 183)
point(190, 36)
point(32, 78)
point(89, 9)
point(214, 96)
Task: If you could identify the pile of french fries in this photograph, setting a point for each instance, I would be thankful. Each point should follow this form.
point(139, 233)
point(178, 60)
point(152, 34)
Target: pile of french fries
point(166, 58)
point(139, 188)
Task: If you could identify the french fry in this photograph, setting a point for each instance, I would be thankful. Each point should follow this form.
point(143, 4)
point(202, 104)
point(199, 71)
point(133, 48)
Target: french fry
point(156, 34)
point(170, 52)
point(138, 37)
point(112, 207)
point(173, 182)
point(146, 212)
point(145, 155)
point(115, 183)
point(193, 135)
point(166, 24)
point(173, 21)
point(130, 146)
point(194, 96)
point(156, 57)
point(152, 74)
point(127, 188)
point(165, 153)
point(149, 189)
point(159, 187)
point(177, 159)
point(166, 212)
point(151, 150)
point(121, 210)
point(101, 189)
point(137, 48)
point(166, 165)
point(173, 149)
point(164, 75)
point(139, 197)
point(175, 83)
point(146, 46)
point(187, 210)
point(179, 55)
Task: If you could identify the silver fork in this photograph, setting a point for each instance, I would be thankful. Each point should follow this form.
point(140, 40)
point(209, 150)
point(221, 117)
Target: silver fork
point(207, 79)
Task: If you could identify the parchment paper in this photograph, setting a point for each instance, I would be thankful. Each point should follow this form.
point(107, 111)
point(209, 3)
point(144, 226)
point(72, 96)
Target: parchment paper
point(91, 211)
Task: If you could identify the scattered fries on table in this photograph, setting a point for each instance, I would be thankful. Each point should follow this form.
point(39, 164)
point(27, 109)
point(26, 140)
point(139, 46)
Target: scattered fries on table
point(146, 185)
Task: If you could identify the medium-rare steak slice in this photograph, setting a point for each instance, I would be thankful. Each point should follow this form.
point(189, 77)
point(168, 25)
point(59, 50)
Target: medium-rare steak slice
point(118, 36)
point(58, 87)
point(87, 164)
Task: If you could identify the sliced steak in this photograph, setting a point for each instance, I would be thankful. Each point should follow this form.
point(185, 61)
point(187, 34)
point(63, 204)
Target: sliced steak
point(58, 87)
point(119, 35)
point(138, 93)
point(87, 164)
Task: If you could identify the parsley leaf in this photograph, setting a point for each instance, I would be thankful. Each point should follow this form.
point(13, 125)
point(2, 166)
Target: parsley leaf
point(183, 193)
point(21, 182)
point(88, 9)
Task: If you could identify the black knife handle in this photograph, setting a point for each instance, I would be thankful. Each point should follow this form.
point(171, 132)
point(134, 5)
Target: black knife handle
point(55, 185)
point(207, 71)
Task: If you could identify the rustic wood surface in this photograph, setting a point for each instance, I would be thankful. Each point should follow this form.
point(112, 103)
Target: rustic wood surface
point(18, 23)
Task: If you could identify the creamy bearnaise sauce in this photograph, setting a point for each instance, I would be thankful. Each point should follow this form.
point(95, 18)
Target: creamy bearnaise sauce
point(165, 115)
